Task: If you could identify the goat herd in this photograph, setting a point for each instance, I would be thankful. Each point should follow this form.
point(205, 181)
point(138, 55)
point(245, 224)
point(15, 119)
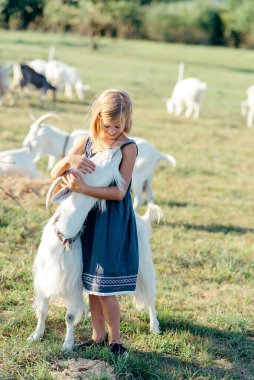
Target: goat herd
point(58, 263)
point(45, 76)
point(57, 76)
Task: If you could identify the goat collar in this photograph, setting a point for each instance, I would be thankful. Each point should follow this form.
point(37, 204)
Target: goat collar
point(65, 145)
point(66, 242)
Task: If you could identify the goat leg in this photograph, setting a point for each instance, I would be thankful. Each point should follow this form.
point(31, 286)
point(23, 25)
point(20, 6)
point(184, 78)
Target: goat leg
point(69, 337)
point(149, 190)
point(154, 323)
point(41, 313)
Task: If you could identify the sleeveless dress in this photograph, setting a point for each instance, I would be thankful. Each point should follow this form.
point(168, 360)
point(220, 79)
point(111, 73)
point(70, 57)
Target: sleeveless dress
point(110, 245)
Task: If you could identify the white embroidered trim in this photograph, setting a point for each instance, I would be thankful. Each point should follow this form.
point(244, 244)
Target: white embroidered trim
point(108, 294)
point(109, 281)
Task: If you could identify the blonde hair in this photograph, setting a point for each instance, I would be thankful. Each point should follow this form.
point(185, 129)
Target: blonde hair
point(109, 104)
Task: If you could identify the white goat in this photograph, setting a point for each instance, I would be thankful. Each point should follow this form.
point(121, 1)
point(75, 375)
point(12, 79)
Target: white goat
point(4, 85)
point(18, 162)
point(38, 65)
point(47, 139)
point(247, 107)
point(62, 76)
point(187, 96)
point(58, 264)
point(148, 157)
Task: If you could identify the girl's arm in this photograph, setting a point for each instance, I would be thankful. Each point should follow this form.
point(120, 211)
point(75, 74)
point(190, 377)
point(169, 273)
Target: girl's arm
point(75, 183)
point(75, 159)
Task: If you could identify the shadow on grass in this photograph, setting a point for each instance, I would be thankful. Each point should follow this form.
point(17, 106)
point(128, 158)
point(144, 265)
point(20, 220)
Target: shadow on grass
point(234, 350)
point(153, 365)
point(214, 228)
point(231, 356)
point(178, 204)
point(82, 43)
point(45, 42)
point(247, 70)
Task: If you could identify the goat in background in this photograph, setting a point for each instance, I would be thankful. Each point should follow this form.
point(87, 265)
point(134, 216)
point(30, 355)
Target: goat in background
point(187, 96)
point(4, 85)
point(247, 107)
point(47, 139)
point(18, 162)
point(64, 77)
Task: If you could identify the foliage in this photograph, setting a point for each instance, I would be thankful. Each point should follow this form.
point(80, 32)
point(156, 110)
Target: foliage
point(20, 13)
point(238, 17)
point(211, 22)
point(227, 22)
point(191, 21)
point(242, 17)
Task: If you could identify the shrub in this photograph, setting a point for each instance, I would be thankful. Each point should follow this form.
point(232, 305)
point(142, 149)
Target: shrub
point(18, 14)
point(212, 24)
point(170, 22)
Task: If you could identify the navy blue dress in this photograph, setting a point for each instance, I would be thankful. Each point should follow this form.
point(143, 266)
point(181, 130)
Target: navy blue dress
point(110, 246)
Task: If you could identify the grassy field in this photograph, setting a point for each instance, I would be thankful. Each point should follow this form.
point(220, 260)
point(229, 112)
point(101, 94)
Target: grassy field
point(203, 248)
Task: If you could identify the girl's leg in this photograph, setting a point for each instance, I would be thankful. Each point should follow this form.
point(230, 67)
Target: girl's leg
point(97, 318)
point(111, 312)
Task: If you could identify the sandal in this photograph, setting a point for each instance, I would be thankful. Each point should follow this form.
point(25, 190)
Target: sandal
point(118, 349)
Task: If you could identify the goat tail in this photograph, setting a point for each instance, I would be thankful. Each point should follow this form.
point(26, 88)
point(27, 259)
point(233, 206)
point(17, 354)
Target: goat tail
point(167, 157)
point(51, 53)
point(181, 68)
point(146, 282)
point(145, 294)
point(153, 213)
point(203, 86)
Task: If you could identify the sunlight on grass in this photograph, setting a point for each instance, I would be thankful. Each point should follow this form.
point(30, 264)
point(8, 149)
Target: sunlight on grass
point(203, 247)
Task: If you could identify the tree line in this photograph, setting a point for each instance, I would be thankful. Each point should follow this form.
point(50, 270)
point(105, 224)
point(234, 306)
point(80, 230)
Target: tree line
point(214, 22)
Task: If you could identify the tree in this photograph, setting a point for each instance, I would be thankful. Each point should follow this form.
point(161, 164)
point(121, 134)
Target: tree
point(25, 11)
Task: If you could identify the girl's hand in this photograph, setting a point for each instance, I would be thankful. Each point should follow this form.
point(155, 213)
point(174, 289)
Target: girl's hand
point(80, 162)
point(74, 182)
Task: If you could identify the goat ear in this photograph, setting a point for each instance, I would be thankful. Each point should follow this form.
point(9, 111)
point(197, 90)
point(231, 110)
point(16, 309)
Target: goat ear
point(61, 195)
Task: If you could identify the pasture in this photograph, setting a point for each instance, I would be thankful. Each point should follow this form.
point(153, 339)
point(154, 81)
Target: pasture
point(202, 248)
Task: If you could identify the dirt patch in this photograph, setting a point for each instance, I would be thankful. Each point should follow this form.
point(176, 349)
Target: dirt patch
point(23, 188)
point(81, 369)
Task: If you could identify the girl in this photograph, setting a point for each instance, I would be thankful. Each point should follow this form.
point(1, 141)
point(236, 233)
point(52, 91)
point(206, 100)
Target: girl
point(109, 241)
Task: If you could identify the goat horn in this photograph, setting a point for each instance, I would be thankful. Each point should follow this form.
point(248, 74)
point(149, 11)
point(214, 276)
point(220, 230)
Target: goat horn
point(47, 116)
point(56, 182)
point(32, 117)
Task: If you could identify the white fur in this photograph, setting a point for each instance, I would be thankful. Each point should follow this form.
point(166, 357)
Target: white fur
point(18, 162)
point(47, 139)
point(4, 85)
point(64, 77)
point(148, 157)
point(187, 96)
point(57, 272)
point(247, 107)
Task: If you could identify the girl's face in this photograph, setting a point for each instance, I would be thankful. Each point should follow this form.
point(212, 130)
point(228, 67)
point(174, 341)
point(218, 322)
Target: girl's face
point(112, 128)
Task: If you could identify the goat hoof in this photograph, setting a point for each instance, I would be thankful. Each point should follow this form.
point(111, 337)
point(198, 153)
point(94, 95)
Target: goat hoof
point(155, 329)
point(34, 336)
point(67, 346)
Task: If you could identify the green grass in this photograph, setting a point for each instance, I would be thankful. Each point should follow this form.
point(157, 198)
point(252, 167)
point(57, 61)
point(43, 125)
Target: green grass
point(203, 248)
